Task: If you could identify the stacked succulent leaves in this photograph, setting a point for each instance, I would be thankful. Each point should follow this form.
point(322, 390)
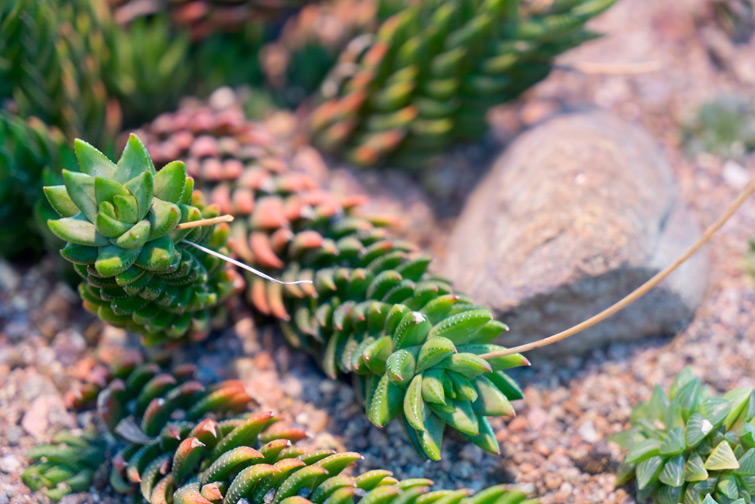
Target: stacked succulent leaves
point(183, 442)
point(120, 224)
point(433, 70)
point(692, 446)
point(410, 342)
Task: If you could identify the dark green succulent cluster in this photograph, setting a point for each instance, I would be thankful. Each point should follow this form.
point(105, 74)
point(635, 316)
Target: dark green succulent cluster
point(120, 224)
point(434, 69)
point(177, 443)
point(692, 446)
point(30, 152)
point(65, 466)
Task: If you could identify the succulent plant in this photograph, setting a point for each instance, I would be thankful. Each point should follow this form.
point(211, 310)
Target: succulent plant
point(65, 466)
point(205, 17)
point(28, 151)
point(51, 66)
point(178, 444)
point(120, 224)
point(691, 445)
point(724, 127)
point(433, 70)
point(411, 343)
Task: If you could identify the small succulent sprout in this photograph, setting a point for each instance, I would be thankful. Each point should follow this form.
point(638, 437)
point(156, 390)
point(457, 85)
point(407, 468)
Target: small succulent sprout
point(65, 466)
point(691, 446)
point(120, 222)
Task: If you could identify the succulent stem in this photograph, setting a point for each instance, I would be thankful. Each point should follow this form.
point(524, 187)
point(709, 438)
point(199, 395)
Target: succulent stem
point(205, 222)
point(639, 291)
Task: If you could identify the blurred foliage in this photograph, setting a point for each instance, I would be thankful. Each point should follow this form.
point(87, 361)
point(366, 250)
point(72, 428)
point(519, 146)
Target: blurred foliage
point(433, 70)
point(723, 127)
point(735, 17)
point(31, 153)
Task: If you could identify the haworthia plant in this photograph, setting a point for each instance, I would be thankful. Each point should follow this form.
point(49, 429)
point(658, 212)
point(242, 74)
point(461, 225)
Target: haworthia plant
point(119, 222)
point(206, 457)
point(65, 466)
point(412, 344)
point(434, 69)
point(690, 445)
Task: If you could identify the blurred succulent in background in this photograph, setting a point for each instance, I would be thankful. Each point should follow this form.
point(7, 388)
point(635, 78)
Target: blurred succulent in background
point(296, 62)
point(434, 69)
point(735, 17)
point(206, 17)
point(181, 441)
point(411, 344)
point(691, 446)
point(65, 466)
point(51, 66)
point(724, 127)
point(30, 153)
point(120, 224)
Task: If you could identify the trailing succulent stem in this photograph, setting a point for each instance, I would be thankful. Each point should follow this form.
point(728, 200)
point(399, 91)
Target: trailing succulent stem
point(183, 442)
point(691, 446)
point(374, 311)
point(434, 69)
point(120, 224)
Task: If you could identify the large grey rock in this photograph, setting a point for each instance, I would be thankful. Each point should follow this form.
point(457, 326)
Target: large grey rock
point(577, 213)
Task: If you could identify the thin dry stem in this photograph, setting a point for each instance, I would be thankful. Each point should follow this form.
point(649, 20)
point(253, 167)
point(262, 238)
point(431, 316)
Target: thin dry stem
point(596, 68)
point(205, 222)
point(637, 293)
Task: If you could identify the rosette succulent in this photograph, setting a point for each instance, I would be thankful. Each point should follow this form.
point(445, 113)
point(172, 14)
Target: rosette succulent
point(412, 344)
point(183, 442)
point(120, 224)
point(691, 446)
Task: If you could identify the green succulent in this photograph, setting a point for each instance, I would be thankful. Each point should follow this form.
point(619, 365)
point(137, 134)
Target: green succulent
point(65, 466)
point(120, 224)
point(177, 443)
point(410, 342)
point(724, 127)
point(434, 69)
point(691, 446)
point(30, 152)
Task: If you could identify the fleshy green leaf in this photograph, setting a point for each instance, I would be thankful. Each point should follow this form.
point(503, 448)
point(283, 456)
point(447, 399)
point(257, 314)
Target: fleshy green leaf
point(170, 182)
point(721, 458)
point(135, 237)
point(674, 442)
point(106, 189)
point(414, 404)
point(163, 218)
point(93, 162)
point(142, 188)
point(157, 255)
point(694, 469)
point(673, 471)
point(126, 209)
point(110, 227)
point(134, 161)
point(643, 451)
point(80, 189)
point(697, 428)
point(433, 351)
point(112, 260)
point(60, 201)
point(77, 230)
point(648, 471)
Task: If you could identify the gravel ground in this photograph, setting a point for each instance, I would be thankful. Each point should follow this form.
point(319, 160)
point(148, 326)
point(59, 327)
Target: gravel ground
point(556, 447)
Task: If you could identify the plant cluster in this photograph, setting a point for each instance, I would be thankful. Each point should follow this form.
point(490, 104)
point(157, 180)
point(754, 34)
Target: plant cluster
point(373, 310)
point(178, 440)
point(433, 70)
point(120, 224)
point(691, 445)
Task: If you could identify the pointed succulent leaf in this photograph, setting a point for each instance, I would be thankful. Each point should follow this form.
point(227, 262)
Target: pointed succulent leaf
point(77, 230)
point(674, 442)
point(648, 471)
point(163, 218)
point(698, 427)
point(694, 469)
point(414, 404)
point(400, 367)
point(106, 189)
point(93, 162)
point(126, 208)
point(135, 237)
point(721, 458)
point(170, 182)
point(112, 260)
point(142, 188)
point(433, 351)
point(61, 201)
point(134, 161)
point(80, 189)
point(673, 471)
